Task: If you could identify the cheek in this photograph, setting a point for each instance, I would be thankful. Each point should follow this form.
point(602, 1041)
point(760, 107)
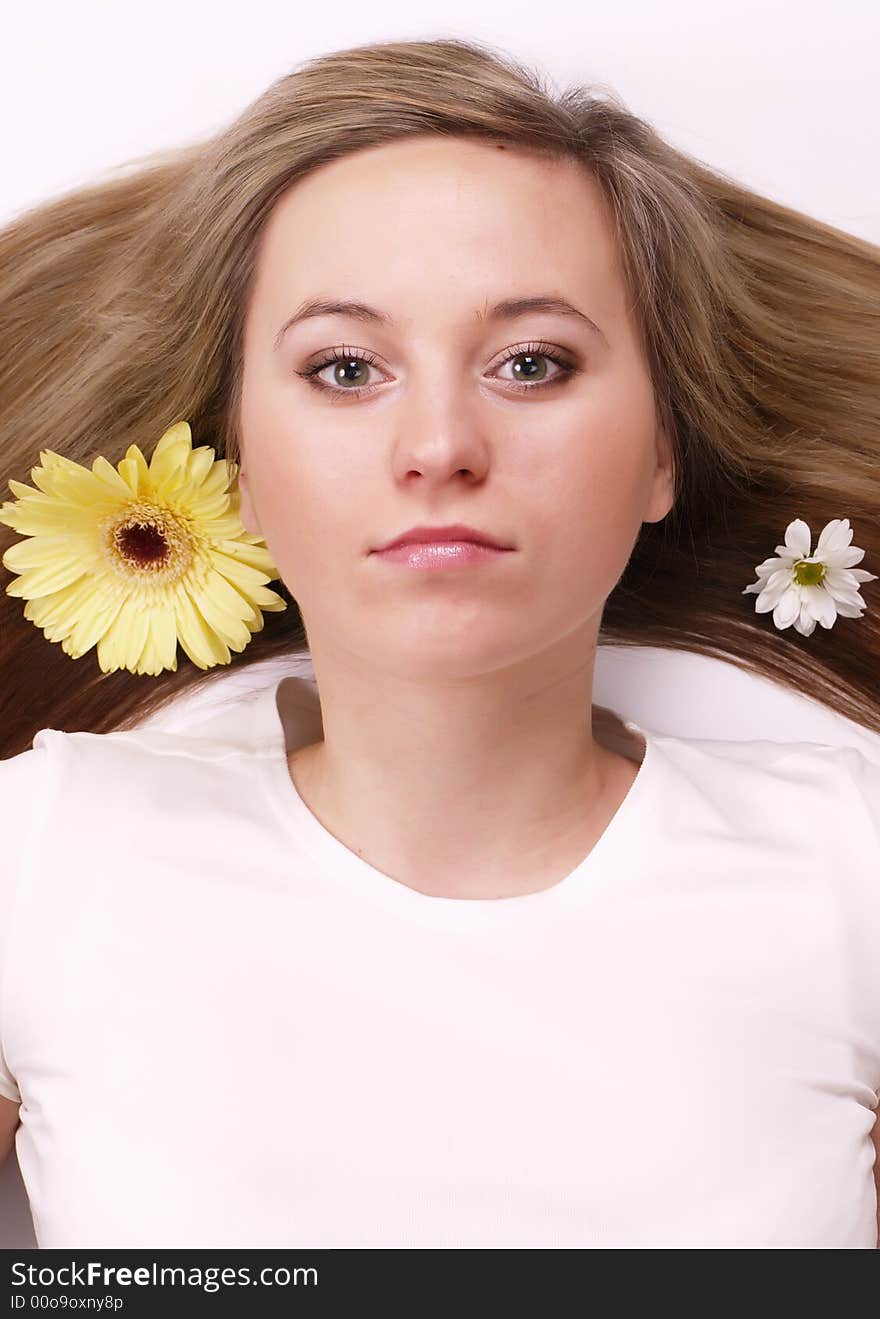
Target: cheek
point(596, 478)
point(592, 492)
point(307, 506)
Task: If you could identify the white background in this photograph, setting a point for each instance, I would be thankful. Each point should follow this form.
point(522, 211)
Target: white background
point(783, 96)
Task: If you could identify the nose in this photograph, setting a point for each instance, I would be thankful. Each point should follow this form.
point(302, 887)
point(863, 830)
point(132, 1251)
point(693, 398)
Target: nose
point(439, 435)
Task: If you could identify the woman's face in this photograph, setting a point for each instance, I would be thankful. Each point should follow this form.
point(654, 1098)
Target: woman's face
point(428, 423)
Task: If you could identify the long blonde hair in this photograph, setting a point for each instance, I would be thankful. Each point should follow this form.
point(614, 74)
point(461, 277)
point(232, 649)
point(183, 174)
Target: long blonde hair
point(122, 306)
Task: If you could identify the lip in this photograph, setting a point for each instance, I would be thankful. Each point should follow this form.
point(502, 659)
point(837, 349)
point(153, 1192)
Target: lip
point(435, 556)
point(456, 531)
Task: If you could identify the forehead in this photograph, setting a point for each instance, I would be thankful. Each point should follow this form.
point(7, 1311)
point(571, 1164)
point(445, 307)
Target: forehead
point(439, 217)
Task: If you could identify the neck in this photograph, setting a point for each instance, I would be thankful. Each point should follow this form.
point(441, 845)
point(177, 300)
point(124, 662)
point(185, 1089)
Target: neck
point(468, 792)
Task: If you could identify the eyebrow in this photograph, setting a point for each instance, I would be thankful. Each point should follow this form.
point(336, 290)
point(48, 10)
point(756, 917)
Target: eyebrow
point(507, 309)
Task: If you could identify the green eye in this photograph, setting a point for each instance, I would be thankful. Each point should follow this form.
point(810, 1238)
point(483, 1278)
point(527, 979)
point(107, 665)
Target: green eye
point(532, 375)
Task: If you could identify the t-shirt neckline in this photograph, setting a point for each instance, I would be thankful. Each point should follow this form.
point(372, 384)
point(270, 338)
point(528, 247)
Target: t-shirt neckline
point(604, 863)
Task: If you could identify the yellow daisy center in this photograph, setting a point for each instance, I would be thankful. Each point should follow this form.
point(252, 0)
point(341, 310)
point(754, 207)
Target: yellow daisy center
point(807, 573)
point(148, 542)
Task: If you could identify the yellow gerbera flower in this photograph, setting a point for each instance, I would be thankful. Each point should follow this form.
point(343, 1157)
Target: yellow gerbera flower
point(137, 558)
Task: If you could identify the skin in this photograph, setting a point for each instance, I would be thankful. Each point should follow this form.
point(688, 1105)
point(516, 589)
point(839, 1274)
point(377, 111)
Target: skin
point(458, 753)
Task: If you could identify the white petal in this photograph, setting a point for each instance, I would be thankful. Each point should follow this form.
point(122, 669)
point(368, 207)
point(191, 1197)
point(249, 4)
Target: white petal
point(849, 608)
point(805, 623)
point(781, 577)
point(848, 593)
point(844, 558)
point(846, 578)
point(821, 605)
point(797, 537)
point(787, 609)
point(836, 535)
point(768, 600)
point(773, 591)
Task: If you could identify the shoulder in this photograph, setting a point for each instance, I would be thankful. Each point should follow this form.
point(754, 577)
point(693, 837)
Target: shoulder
point(30, 779)
point(76, 774)
point(79, 773)
point(212, 738)
point(788, 787)
point(77, 802)
point(787, 760)
point(31, 768)
point(29, 786)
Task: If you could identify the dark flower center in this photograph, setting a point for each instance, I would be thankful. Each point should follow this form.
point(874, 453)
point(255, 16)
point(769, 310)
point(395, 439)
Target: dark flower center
point(142, 544)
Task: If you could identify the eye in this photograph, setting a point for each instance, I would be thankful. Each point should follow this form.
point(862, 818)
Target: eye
point(528, 366)
point(352, 366)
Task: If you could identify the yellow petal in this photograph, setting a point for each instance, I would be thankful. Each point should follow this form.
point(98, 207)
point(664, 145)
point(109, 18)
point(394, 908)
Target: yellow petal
point(151, 661)
point(43, 612)
point(138, 634)
point(47, 517)
point(44, 479)
point(92, 625)
point(168, 463)
point(197, 639)
point(63, 608)
point(24, 491)
point(134, 456)
point(224, 596)
point(217, 480)
point(255, 556)
point(233, 631)
point(123, 641)
point(42, 581)
point(240, 574)
point(58, 461)
point(200, 463)
point(174, 487)
point(37, 552)
point(115, 482)
point(128, 470)
point(163, 636)
point(205, 508)
point(109, 654)
point(222, 525)
point(268, 600)
point(77, 484)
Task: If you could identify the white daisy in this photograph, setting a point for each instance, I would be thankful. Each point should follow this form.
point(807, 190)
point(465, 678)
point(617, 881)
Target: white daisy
point(806, 589)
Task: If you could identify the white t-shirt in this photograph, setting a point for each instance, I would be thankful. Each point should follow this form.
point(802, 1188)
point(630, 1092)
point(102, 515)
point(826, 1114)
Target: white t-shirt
point(228, 1029)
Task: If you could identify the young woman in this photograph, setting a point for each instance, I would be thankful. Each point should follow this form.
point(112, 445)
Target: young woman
point(449, 956)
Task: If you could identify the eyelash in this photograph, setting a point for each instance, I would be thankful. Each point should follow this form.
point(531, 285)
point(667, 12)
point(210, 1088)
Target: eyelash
point(343, 354)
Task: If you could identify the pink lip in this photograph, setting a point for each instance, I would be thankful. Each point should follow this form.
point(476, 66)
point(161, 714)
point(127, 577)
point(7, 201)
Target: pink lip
point(433, 535)
point(436, 555)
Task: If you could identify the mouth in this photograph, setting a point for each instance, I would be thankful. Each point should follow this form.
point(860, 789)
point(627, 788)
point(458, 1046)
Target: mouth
point(457, 532)
point(435, 556)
